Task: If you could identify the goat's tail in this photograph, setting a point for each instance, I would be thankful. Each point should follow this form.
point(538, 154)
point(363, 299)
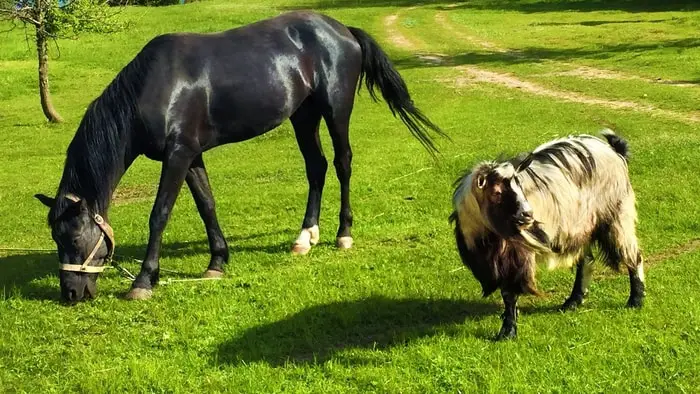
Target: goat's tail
point(616, 142)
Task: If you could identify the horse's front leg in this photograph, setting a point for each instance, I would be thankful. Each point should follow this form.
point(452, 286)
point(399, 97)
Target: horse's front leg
point(175, 167)
point(198, 182)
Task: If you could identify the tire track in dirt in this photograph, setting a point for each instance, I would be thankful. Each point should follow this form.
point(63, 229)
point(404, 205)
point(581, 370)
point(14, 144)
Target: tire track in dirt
point(397, 38)
point(584, 72)
point(475, 74)
point(441, 20)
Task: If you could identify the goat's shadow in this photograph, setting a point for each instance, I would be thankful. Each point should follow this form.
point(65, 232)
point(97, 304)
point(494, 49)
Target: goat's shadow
point(34, 274)
point(317, 333)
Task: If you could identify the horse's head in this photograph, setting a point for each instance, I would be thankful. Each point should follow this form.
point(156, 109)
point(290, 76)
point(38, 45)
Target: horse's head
point(85, 242)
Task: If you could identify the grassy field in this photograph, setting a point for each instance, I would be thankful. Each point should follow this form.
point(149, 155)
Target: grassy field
point(394, 314)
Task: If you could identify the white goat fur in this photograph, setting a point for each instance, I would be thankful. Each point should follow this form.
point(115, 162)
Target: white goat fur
point(569, 213)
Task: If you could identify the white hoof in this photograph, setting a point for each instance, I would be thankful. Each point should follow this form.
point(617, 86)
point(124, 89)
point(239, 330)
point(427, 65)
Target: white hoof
point(300, 250)
point(210, 274)
point(307, 238)
point(139, 294)
point(343, 242)
point(315, 234)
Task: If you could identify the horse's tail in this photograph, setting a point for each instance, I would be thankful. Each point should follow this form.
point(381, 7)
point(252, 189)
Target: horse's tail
point(377, 70)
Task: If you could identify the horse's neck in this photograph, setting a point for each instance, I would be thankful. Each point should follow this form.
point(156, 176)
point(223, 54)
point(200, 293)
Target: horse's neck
point(97, 195)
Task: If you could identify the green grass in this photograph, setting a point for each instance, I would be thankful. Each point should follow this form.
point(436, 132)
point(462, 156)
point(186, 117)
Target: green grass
point(392, 314)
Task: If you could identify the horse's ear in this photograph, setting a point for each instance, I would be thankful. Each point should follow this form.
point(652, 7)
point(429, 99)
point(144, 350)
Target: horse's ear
point(46, 200)
point(83, 205)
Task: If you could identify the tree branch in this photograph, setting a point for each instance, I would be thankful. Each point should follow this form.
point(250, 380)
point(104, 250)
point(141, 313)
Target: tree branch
point(22, 14)
point(13, 27)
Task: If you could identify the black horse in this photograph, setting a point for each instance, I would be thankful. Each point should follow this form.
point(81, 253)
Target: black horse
point(186, 93)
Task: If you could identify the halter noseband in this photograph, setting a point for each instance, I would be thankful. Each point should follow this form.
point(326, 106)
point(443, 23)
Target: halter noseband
point(106, 230)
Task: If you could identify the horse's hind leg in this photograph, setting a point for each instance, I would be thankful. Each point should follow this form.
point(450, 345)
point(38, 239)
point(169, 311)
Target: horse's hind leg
point(306, 122)
point(338, 125)
point(198, 182)
point(584, 268)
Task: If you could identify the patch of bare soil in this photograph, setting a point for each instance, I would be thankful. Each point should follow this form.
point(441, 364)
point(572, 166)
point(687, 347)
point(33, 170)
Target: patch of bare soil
point(441, 19)
point(396, 37)
point(688, 247)
point(133, 193)
point(586, 72)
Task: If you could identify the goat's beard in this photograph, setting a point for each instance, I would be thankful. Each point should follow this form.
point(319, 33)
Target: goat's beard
point(534, 237)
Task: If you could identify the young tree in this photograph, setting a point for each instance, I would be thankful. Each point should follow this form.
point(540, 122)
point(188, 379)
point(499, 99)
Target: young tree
point(54, 19)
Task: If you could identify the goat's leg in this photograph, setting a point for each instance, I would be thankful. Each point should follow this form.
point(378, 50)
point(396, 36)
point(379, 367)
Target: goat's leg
point(636, 299)
point(584, 268)
point(509, 329)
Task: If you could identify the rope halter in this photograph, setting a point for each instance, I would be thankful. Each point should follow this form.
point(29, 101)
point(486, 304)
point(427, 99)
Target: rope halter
point(105, 230)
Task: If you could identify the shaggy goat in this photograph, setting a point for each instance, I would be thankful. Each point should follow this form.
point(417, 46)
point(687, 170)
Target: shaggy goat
point(551, 206)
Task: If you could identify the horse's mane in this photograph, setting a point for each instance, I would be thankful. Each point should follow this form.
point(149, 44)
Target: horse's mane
point(95, 156)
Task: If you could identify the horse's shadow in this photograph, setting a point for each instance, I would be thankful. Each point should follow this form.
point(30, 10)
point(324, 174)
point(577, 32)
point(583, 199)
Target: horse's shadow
point(34, 274)
point(23, 274)
point(318, 333)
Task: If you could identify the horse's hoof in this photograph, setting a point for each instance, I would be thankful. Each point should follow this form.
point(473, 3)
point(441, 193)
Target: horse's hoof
point(343, 242)
point(300, 249)
point(571, 304)
point(210, 274)
point(635, 302)
point(139, 294)
point(507, 333)
point(315, 235)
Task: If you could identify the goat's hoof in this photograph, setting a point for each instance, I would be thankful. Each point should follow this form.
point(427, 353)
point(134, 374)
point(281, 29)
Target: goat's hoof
point(300, 249)
point(211, 274)
point(571, 304)
point(344, 242)
point(138, 293)
point(507, 332)
point(635, 302)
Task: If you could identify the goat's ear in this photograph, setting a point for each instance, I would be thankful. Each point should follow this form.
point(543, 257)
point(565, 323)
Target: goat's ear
point(524, 163)
point(481, 181)
point(46, 200)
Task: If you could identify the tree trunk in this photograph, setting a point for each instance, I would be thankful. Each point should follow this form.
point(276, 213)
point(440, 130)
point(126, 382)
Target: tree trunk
point(42, 47)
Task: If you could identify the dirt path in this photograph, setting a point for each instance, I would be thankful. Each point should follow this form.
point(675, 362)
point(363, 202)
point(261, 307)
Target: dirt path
point(584, 72)
point(397, 38)
point(475, 74)
point(441, 20)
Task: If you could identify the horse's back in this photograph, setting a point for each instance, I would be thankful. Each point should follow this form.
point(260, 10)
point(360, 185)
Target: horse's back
point(249, 79)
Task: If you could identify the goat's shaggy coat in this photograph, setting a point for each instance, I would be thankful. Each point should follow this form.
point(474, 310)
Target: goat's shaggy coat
point(550, 206)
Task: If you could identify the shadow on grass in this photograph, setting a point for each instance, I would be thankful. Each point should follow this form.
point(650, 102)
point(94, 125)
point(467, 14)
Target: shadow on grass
point(317, 333)
point(601, 22)
point(511, 5)
point(538, 54)
point(23, 273)
point(574, 5)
